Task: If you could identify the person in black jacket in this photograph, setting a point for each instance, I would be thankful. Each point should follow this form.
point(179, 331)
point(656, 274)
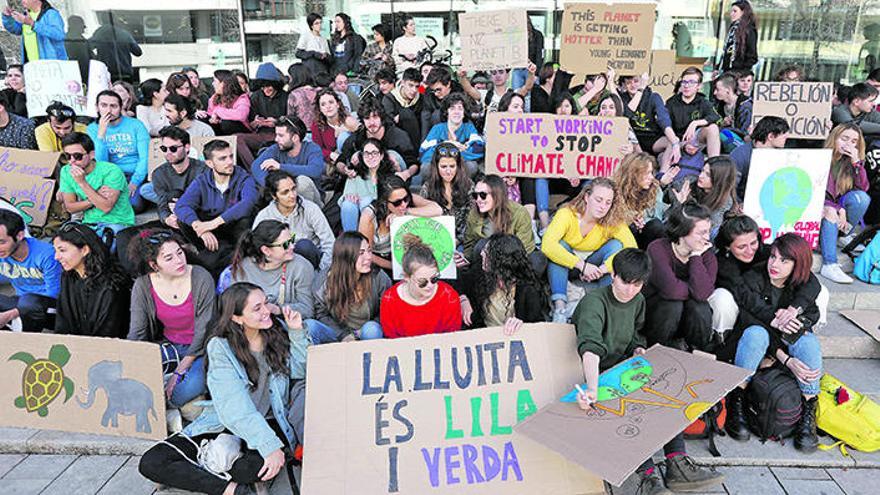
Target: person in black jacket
point(95, 291)
point(741, 45)
point(693, 117)
point(377, 125)
point(346, 46)
point(777, 313)
point(404, 105)
point(505, 290)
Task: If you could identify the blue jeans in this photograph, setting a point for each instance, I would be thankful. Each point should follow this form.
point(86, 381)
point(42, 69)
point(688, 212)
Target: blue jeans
point(559, 275)
point(148, 192)
point(855, 203)
point(518, 78)
point(115, 227)
point(193, 383)
point(321, 333)
point(753, 346)
point(350, 213)
point(542, 195)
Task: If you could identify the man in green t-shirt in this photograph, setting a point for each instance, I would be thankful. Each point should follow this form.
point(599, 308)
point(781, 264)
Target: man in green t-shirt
point(609, 322)
point(93, 187)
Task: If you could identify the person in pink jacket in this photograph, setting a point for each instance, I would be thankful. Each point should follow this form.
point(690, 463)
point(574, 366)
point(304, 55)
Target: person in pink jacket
point(229, 107)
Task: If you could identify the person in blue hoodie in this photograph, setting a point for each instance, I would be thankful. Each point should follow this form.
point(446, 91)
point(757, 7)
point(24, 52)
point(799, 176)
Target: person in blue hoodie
point(41, 29)
point(467, 139)
point(122, 141)
point(29, 265)
point(217, 208)
point(293, 154)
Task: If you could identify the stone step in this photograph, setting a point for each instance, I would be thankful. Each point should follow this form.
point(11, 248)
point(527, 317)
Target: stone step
point(857, 295)
point(841, 338)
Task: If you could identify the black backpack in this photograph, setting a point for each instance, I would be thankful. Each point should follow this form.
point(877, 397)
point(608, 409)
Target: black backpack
point(773, 404)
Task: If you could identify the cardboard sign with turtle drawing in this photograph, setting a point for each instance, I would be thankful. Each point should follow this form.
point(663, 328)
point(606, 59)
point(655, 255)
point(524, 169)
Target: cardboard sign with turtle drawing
point(81, 384)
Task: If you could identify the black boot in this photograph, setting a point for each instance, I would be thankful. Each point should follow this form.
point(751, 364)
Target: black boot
point(736, 426)
point(805, 438)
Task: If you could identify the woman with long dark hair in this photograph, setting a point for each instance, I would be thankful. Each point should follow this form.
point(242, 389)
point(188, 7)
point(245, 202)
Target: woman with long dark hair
point(172, 303)
point(333, 125)
point(447, 184)
point(347, 304)
point(346, 45)
point(253, 359)
point(151, 110)
point(361, 190)
point(265, 257)
point(375, 223)
point(741, 45)
point(714, 188)
point(179, 84)
point(95, 291)
point(229, 107)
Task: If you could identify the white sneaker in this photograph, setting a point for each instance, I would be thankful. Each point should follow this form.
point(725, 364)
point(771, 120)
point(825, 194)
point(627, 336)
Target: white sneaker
point(560, 315)
point(834, 273)
point(844, 241)
point(15, 325)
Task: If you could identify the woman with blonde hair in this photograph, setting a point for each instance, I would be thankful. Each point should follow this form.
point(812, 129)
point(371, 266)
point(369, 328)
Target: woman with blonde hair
point(582, 239)
point(846, 199)
point(639, 195)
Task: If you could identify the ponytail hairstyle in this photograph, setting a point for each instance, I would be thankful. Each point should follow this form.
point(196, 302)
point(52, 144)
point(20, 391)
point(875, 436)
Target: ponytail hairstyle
point(252, 242)
point(144, 248)
point(277, 350)
point(345, 287)
point(416, 254)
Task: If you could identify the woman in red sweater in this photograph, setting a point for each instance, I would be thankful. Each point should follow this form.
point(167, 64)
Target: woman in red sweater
point(332, 124)
point(419, 304)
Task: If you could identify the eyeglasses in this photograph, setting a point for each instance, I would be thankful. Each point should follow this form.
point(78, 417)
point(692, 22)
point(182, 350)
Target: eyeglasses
point(689, 83)
point(448, 151)
point(425, 281)
point(172, 148)
point(399, 202)
point(159, 237)
point(76, 156)
point(286, 244)
point(372, 153)
point(480, 194)
point(437, 91)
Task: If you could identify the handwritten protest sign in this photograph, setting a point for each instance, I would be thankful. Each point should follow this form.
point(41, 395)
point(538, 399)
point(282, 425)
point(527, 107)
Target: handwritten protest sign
point(785, 191)
point(27, 182)
point(664, 73)
point(99, 80)
point(557, 146)
point(805, 105)
point(53, 80)
point(434, 414)
point(596, 36)
point(197, 144)
point(438, 233)
point(641, 404)
point(496, 39)
point(82, 384)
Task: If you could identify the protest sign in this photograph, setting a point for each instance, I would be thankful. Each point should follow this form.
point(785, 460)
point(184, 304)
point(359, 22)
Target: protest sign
point(866, 319)
point(53, 80)
point(642, 403)
point(99, 80)
point(495, 39)
point(806, 106)
point(555, 146)
point(664, 73)
point(27, 182)
point(438, 233)
point(197, 144)
point(434, 414)
point(785, 191)
point(82, 384)
point(596, 36)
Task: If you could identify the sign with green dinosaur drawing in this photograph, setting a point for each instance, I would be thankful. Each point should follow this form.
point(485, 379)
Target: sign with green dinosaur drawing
point(81, 384)
point(28, 183)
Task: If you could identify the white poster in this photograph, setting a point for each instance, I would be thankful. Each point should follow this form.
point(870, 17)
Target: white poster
point(53, 80)
point(99, 80)
point(438, 233)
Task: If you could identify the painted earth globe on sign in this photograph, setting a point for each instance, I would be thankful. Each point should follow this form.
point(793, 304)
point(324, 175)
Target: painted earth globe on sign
point(432, 233)
point(784, 197)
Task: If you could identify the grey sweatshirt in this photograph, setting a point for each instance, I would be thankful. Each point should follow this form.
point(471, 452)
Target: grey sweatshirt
point(308, 222)
point(298, 293)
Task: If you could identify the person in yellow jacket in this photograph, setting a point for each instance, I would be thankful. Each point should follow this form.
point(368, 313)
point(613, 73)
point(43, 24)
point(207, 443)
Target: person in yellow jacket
point(582, 239)
point(62, 121)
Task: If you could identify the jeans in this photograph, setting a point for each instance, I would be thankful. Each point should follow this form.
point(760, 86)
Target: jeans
point(350, 213)
point(115, 227)
point(518, 78)
point(560, 275)
point(542, 195)
point(35, 311)
point(148, 192)
point(754, 343)
point(193, 383)
point(855, 203)
point(321, 333)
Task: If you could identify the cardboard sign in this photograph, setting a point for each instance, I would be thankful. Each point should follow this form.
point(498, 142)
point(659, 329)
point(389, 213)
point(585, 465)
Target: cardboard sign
point(642, 403)
point(664, 73)
point(437, 232)
point(27, 182)
point(866, 319)
point(99, 80)
point(434, 414)
point(197, 144)
point(806, 106)
point(596, 36)
point(785, 191)
point(497, 39)
point(555, 146)
point(53, 80)
point(82, 384)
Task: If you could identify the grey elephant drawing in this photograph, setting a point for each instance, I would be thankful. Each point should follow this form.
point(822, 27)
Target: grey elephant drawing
point(124, 396)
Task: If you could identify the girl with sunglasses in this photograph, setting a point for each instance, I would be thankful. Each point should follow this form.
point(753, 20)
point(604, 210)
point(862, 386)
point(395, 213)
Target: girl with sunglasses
point(265, 258)
point(420, 304)
point(361, 190)
point(347, 305)
point(95, 291)
point(172, 303)
point(375, 224)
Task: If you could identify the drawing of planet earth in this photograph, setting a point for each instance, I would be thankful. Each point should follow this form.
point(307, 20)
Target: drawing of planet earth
point(784, 196)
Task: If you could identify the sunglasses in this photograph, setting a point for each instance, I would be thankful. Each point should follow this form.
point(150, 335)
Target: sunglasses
point(480, 194)
point(72, 226)
point(399, 202)
point(172, 148)
point(286, 244)
point(425, 281)
point(60, 112)
point(76, 156)
point(289, 123)
point(159, 237)
point(448, 151)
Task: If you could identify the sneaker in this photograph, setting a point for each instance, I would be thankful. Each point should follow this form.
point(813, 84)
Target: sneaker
point(844, 241)
point(834, 273)
point(560, 315)
point(15, 325)
point(651, 484)
point(682, 475)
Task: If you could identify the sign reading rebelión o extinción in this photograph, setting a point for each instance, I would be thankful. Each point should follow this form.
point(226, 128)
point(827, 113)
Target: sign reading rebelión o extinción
point(554, 146)
point(596, 36)
point(806, 106)
point(435, 414)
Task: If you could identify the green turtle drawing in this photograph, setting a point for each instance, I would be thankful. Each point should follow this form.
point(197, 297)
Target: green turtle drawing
point(43, 380)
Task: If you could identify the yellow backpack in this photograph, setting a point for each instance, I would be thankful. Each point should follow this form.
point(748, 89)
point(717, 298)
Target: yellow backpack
point(854, 422)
